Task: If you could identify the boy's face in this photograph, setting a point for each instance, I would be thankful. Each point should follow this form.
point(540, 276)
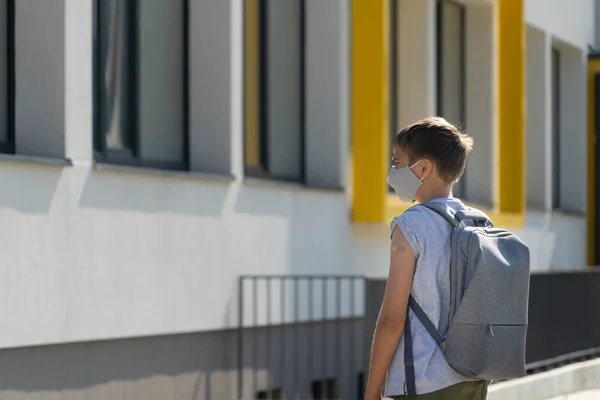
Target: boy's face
point(421, 168)
point(401, 159)
point(404, 178)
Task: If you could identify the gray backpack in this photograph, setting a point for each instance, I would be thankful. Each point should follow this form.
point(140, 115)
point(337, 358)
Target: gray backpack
point(489, 276)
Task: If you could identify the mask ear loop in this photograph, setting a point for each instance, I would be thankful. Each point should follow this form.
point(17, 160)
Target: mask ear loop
point(411, 167)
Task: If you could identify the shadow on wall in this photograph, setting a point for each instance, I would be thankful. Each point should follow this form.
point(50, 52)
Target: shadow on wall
point(199, 366)
point(545, 231)
point(195, 366)
point(152, 194)
point(305, 231)
point(28, 189)
point(290, 359)
point(310, 226)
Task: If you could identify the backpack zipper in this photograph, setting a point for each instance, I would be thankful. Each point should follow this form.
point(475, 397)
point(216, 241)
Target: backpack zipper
point(463, 288)
point(453, 271)
point(491, 327)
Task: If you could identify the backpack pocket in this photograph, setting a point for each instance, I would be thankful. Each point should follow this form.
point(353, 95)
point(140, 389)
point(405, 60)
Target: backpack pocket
point(486, 351)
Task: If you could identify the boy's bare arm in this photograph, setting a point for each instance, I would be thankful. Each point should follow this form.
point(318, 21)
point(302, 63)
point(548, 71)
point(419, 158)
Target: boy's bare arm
point(390, 323)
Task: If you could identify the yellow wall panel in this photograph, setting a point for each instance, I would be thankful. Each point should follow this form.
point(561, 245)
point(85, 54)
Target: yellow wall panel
point(370, 147)
point(511, 106)
point(252, 82)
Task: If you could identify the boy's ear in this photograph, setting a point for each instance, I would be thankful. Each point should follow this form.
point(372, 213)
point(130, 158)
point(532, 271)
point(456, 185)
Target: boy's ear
point(426, 168)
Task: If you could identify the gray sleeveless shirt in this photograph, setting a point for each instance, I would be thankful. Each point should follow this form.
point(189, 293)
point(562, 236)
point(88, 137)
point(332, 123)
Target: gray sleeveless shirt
point(429, 238)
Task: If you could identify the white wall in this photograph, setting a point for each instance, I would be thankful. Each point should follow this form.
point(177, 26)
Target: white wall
point(92, 254)
point(102, 254)
point(539, 120)
point(591, 30)
point(98, 252)
point(557, 241)
point(567, 20)
point(327, 69)
point(573, 128)
point(416, 61)
point(480, 102)
point(557, 238)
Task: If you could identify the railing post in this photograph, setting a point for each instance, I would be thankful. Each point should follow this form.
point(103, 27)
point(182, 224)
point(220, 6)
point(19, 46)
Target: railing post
point(374, 290)
point(240, 346)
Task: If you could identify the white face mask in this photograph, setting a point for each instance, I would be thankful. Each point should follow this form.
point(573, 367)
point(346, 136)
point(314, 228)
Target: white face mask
point(404, 182)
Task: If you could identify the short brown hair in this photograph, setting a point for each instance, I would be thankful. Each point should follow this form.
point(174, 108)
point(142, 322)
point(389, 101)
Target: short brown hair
point(437, 139)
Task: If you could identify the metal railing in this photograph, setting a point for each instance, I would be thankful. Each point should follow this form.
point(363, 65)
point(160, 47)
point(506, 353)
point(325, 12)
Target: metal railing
point(564, 317)
point(300, 336)
point(307, 336)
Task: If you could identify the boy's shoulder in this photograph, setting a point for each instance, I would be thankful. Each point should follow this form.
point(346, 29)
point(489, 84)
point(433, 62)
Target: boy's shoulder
point(419, 211)
point(413, 224)
point(413, 214)
point(422, 221)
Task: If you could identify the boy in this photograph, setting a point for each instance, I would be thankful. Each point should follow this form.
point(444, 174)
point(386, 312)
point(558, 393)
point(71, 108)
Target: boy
point(429, 157)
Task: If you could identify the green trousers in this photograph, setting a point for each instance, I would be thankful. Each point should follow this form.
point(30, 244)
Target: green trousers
point(472, 390)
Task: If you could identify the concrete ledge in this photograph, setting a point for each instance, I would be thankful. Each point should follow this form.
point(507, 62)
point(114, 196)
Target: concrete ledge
point(587, 395)
point(560, 383)
point(53, 162)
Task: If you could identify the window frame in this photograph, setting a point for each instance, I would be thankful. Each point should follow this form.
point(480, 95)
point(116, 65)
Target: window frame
point(131, 157)
point(393, 72)
point(394, 77)
point(324, 389)
point(261, 170)
point(273, 393)
point(555, 71)
point(8, 146)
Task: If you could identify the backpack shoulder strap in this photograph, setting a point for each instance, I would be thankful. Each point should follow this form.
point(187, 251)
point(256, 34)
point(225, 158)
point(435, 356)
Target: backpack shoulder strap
point(424, 319)
point(409, 366)
point(479, 218)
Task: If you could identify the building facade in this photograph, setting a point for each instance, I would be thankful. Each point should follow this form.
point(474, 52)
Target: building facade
point(155, 151)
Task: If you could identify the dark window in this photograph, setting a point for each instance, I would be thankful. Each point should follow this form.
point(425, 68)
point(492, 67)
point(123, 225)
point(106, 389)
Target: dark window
point(394, 64)
point(7, 77)
point(394, 89)
point(141, 82)
point(555, 128)
point(361, 386)
point(274, 89)
point(271, 394)
point(324, 389)
point(451, 77)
